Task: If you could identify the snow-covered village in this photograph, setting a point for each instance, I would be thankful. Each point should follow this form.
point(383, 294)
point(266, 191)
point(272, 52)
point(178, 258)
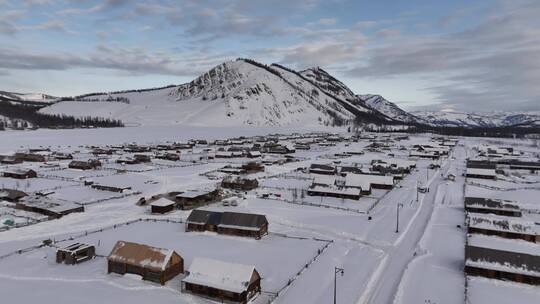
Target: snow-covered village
point(265, 218)
point(269, 152)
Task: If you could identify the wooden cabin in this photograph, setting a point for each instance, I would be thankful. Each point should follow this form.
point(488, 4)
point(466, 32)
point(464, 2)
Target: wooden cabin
point(19, 173)
point(375, 181)
point(239, 183)
point(503, 259)
point(52, 208)
point(481, 173)
point(119, 189)
point(75, 253)
point(11, 195)
point(503, 226)
point(230, 223)
point(153, 264)
point(334, 191)
point(29, 157)
point(253, 167)
point(222, 281)
point(493, 206)
point(162, 205)
point(322, 169)
point(203, 220)
point(194, 198)
point(84, 165)
point(243, 224)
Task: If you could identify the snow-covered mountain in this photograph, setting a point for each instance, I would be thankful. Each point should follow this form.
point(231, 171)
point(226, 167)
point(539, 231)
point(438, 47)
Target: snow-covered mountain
point(245, 92)
point(240, 92)
point(28, 97)
point(390, 109)
point(490, 119)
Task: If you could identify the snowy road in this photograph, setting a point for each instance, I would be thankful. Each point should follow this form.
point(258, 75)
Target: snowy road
point(385, 281)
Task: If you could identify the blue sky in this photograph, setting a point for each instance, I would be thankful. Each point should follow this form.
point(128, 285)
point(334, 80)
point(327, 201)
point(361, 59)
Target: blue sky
point(454, 54)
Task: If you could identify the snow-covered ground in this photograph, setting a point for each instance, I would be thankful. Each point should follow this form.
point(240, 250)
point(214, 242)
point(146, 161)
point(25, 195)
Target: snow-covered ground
point(421, 263)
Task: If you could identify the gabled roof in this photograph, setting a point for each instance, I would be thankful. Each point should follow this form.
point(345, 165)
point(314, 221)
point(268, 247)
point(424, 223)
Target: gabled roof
point(489, 203)
point(479, 171)
point(220, 275)
point(357, 181)
point(12, 194)
point(204, 217)
point(322, 167)
point(335, 190)
point(324, 179)
point(194, 193)
point(162, 202)
point(141, 255)
point(362, 179)
point(502, 223)
point(248, 220)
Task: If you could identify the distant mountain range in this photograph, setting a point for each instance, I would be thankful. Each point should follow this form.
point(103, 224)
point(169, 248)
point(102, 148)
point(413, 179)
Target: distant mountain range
point(245, 92)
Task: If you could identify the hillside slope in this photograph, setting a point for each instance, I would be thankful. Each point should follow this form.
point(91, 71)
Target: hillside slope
point(390, 109)
point(240, 92)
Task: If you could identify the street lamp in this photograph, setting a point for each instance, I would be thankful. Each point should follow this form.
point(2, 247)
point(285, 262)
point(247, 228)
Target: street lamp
point(336, 271)
point(399, 205)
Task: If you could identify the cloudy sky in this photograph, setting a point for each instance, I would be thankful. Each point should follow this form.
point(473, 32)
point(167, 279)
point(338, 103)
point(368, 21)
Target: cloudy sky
point(479, 55)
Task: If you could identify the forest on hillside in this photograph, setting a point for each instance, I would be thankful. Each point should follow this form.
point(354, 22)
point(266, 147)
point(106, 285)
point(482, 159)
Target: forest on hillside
point(32, 115)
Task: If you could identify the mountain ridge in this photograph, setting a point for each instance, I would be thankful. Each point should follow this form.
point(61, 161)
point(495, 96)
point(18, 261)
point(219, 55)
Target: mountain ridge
point(246, 92)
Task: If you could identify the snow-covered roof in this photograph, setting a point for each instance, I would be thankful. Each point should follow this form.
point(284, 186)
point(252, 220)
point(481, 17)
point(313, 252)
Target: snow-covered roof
point(162, 202)
point(503, 244)
point(141, 255)
point(335, 190)
point(324, 179)
point(479, 171)
point(502, 223)
point(193, 193)
point(355, 180)
point(17, 170)
point(220, 275)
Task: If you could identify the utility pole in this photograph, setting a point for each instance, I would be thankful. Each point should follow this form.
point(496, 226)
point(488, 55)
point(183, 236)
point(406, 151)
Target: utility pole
point(417, 191)
point(336, 271)
point(399, 205)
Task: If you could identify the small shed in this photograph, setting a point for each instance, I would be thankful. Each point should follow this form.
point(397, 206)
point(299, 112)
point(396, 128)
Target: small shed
point(222, 281)
point(153, 264)
point(75, 253)
point(162, 205)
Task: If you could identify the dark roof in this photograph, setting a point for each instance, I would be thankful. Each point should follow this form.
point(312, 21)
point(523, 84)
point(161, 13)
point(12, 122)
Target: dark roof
point(12, 194)
point(243, 219)
point(323, 167)
point(348, 169)
point(205, 217)
point(490, 203)
point(227, 218)
point(481, 164)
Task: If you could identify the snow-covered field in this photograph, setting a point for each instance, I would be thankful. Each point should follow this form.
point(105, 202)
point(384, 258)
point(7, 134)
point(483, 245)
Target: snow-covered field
point(420, 263)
